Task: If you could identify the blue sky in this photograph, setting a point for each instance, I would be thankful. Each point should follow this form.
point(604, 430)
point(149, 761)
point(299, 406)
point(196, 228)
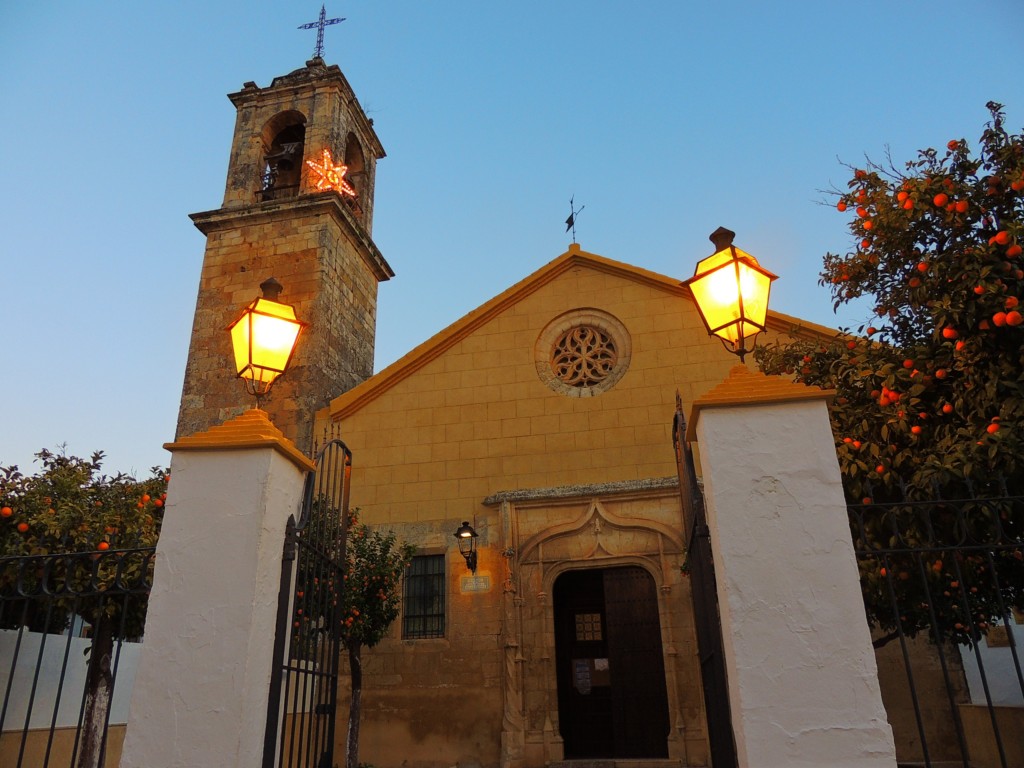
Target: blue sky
point(665, 119)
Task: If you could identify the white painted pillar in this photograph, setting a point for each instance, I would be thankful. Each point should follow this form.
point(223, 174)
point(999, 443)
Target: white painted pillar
point(200, 695)
point(803, 684)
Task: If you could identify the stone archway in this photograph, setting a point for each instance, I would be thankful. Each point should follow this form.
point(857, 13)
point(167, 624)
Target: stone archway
point(547, 533)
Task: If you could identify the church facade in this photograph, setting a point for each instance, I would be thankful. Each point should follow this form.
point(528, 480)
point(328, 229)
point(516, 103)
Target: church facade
point(541, 419)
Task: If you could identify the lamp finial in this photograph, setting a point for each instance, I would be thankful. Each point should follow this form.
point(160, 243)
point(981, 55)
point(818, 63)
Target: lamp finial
point(722, 238)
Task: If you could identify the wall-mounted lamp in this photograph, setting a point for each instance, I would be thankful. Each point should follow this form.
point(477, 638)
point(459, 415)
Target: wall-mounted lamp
point(263, 339)
point(467, 544)
point(731, 292)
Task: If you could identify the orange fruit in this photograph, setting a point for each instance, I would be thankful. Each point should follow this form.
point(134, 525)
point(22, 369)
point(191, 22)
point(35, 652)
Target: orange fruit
point(145, 498)
point(908, 204)
point(979, 289)
point(868, 224)
point(952, 144)
point(6, 511)
point(915, 430)
point(914, 282)
point(862, 211)
point(882, 572)
point(922, 266)
point(908, 364)
point(880, 469)
point(841, 206)
point(999, 319)
point(940, 373)
point(103, 546)
point(940, 199)
point(1014, 318)
point(1002, 237)
point(1013, 250)
point(23, 527)
point(857, 444)
point(961, 206)
point(949, 332)
point(1011, 302)
point(992, 428)
point(860, 174)
point(947, 408)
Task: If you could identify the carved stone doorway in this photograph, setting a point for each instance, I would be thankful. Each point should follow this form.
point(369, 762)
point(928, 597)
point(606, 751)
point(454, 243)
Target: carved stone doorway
point(612, 699)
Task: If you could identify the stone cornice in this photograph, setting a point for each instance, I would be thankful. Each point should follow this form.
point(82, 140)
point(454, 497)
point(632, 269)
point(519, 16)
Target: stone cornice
point(587, 490)
point(251, 430)
point(327, 203)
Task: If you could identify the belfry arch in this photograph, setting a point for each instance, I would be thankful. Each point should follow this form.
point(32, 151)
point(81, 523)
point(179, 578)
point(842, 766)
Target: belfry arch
point(284, 139)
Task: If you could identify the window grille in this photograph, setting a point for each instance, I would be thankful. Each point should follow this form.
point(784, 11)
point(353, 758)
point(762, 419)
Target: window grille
point(423, 598)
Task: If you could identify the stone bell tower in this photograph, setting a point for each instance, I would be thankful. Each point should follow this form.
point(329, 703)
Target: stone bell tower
point(290, 212)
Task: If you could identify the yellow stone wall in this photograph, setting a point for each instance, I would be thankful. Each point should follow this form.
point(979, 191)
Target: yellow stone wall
point(444, 433)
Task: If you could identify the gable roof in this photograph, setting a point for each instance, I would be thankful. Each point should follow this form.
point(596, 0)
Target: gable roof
point(436, 345)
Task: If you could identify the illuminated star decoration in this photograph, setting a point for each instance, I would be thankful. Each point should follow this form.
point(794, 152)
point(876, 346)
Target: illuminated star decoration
point(330, 176)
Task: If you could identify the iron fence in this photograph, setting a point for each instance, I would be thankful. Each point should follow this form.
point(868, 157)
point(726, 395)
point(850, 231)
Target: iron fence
point(943, 581)
point(67, 626)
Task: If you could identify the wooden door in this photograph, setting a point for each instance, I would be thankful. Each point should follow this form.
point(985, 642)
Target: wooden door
point(612, 700)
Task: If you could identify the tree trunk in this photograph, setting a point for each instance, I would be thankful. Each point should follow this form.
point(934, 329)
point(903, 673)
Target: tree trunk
point(99, 687)
point(354, 708)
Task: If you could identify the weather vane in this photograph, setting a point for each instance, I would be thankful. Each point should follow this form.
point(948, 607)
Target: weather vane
point(570, 223)
point(319, 24)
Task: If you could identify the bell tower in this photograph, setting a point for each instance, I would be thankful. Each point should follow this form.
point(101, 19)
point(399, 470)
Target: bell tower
point(298, 206)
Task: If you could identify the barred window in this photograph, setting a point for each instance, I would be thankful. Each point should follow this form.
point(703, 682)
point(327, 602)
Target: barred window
point(423, 598)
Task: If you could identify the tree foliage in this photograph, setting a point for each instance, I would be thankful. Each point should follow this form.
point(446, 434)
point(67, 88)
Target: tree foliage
point(930, 392)
point(77, 543)
point(376, 563)
point(71, 507)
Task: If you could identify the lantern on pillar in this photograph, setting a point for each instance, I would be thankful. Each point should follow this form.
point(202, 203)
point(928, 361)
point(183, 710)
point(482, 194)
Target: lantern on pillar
point(731, 291)
point(263, 339)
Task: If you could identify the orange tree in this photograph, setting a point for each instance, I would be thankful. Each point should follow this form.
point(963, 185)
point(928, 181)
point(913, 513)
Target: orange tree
point(930, 394)
point(81, 538)
point(376, 562)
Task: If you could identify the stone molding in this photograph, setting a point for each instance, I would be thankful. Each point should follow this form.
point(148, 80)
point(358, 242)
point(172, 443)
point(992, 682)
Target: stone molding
point(290, 208)
point(614, 488)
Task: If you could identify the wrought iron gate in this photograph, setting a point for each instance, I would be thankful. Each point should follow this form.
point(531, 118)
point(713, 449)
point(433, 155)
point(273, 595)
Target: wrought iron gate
point(950, 573)
point(700, 566)
point(304, 686)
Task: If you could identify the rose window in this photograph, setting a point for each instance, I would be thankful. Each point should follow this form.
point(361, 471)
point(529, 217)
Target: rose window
point(583, 356)
point(583, 352)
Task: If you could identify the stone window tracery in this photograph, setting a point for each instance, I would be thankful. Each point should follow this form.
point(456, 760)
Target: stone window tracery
point(582, 353)
point(583, 356)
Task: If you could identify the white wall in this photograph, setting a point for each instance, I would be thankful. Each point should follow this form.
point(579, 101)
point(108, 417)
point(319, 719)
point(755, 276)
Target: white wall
point(46, 693)
point(999, 671)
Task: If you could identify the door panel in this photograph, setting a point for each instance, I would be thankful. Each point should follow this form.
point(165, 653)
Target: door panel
point(612, 700)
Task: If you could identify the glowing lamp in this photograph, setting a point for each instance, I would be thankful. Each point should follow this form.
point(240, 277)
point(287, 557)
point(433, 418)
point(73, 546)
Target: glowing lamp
point(263, 339)
point(731, 292)
point(467, 544)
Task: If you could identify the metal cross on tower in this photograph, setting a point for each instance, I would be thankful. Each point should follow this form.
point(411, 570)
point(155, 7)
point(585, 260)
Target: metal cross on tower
point(320, 23)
